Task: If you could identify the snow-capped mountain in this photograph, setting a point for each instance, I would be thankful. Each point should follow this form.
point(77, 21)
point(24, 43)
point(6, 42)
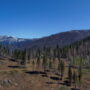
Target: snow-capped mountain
point(11, 39)
point(13, 42)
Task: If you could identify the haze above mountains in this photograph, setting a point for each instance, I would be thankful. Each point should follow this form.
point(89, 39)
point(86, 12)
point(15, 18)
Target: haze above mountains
point(62, 39)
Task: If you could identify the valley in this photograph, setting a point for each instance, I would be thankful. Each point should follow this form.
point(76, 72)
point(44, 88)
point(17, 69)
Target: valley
point(48, 67)
point(44, 44)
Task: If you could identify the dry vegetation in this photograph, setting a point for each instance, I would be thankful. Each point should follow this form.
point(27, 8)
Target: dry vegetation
point(15, 78)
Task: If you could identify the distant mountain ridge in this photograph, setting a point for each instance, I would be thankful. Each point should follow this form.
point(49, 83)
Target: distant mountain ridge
point(10, 38)
point(13, 42)
point(62, 39)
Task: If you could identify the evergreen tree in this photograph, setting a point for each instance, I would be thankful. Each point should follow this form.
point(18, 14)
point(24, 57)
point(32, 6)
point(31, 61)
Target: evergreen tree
point(33, 64)
point(62, 69)
point(38, 62)
point(44, 62)
point(50, 64)
point(80, 75)
point(23, 58)
point(75, 79)
point(70, 74)
point(59, 67)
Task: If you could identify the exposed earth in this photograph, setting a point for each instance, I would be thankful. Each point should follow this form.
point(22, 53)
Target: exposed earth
point(15, 78)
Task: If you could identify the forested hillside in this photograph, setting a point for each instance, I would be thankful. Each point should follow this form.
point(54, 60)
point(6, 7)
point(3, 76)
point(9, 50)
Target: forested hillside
point(69, 61)
point(79, 48)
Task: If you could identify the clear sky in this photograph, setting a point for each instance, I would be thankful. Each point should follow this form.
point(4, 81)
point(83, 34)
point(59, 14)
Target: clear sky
point(38, 18)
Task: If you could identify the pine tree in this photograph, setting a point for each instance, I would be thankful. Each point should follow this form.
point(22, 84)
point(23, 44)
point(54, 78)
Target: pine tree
point(50, 64)
point(38, 62)
point(23, 58)
point(33, 64)
point(70, 74)
point(62, 69)
point(44, 62)
point(80, 75)
point(75, 79)
point(59, 67)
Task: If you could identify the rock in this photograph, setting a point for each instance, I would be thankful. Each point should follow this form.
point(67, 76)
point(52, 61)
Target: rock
point(7, 83)
point(10, 82)
point(15, 84)
point(0, 85)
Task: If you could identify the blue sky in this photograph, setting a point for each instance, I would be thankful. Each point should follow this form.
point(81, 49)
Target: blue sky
point(38, 18)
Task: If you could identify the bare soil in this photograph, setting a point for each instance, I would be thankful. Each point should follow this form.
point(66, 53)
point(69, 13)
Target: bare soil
point(14, 78)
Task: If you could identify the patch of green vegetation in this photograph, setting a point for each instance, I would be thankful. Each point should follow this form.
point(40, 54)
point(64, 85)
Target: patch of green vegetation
point(85, 71)
point(24, 70)
point(64, 88)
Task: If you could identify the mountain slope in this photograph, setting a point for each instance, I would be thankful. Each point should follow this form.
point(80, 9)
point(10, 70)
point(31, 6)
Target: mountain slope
point(62, 39)
point(14, 42)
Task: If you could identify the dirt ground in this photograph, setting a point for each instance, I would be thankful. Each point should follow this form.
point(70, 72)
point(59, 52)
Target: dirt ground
point(14, 78)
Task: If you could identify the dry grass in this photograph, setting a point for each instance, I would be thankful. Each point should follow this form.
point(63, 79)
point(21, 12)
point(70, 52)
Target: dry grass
point(34, 81)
